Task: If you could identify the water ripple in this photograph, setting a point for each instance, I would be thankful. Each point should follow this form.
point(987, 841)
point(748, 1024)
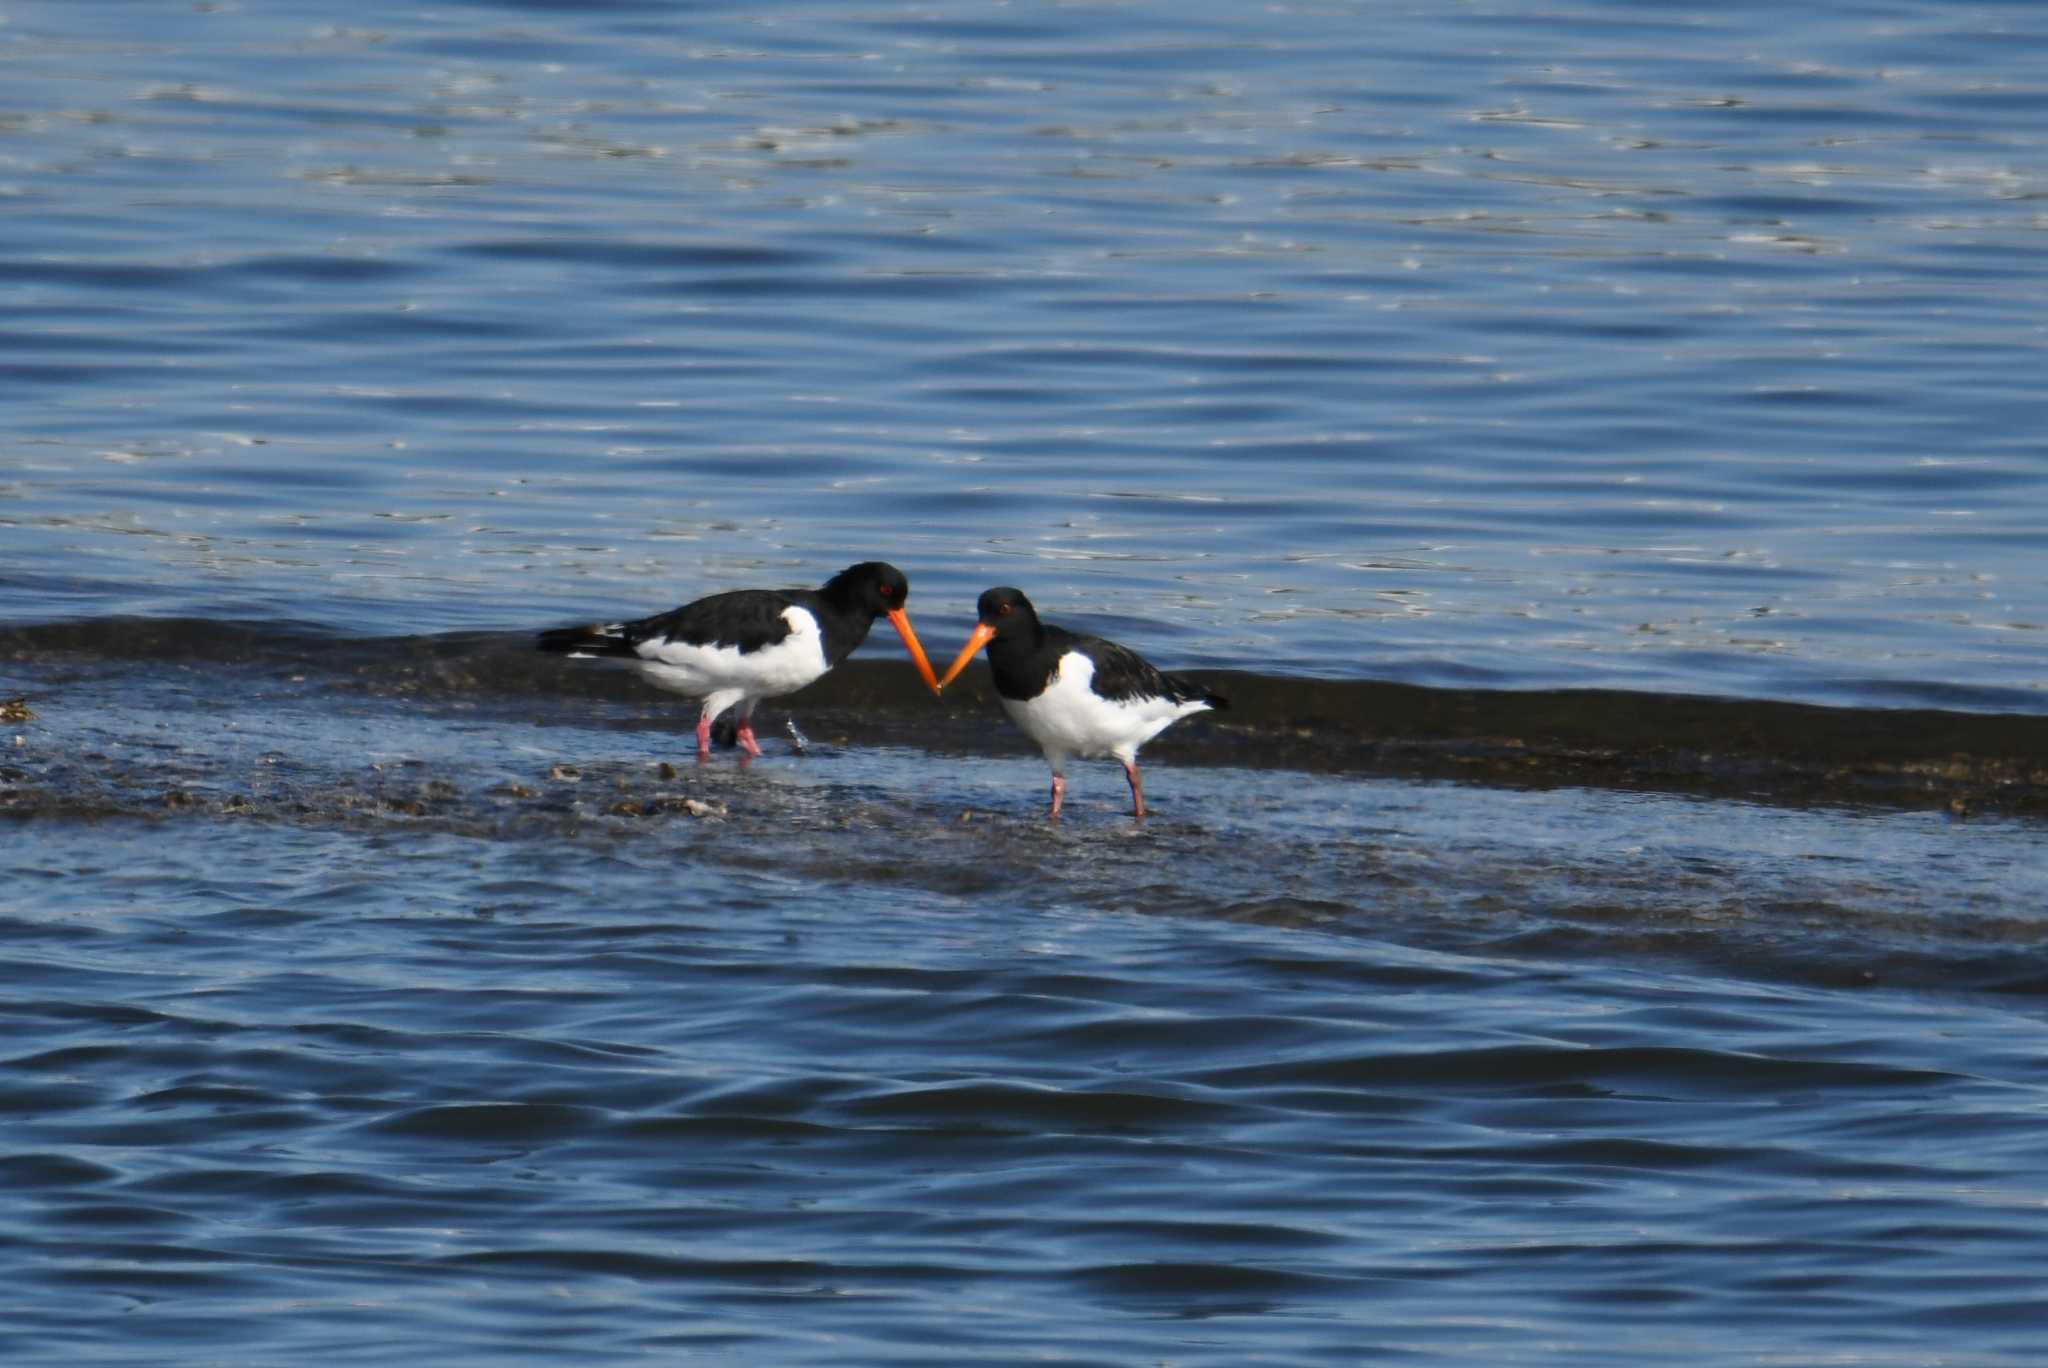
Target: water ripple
point(1531, 413)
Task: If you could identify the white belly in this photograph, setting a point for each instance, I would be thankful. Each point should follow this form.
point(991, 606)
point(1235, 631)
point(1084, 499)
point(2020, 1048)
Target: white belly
point(775, 670)
point(1069, 718)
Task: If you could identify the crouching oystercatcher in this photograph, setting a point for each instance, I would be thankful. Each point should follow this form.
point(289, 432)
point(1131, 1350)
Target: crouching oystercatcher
point(1074, 694)
point(734, 649)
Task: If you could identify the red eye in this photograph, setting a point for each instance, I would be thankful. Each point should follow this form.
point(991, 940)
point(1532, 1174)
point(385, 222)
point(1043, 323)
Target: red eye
point(888, 591)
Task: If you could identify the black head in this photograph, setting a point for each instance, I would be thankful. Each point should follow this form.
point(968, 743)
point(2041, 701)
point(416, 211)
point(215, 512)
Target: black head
point(1007, 611)
point(872, 587)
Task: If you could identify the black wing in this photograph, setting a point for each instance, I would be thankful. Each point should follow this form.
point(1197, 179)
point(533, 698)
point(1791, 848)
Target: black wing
point(746, 618)
point(1121, 673)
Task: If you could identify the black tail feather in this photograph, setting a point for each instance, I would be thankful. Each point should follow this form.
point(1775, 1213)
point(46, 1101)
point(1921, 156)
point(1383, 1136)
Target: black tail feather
point(1186, 690)
point(596, 639)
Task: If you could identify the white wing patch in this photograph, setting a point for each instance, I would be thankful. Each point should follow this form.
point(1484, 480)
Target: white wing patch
point(769, 672)
point(1069, 718)
point(610, 631)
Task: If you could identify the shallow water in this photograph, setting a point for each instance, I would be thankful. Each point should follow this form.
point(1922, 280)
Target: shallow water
point(343, 1016)
point(839, 1077)
point(1597, 447)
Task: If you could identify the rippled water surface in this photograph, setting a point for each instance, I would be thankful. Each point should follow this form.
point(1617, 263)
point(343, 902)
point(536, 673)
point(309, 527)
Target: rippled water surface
point(344, 1017)
point(1692, 348)
point(304, 1093)
point(377, 986)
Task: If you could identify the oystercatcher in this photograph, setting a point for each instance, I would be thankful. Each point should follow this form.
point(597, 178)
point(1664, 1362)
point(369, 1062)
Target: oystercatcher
point(1074, 694)
point(737, 648)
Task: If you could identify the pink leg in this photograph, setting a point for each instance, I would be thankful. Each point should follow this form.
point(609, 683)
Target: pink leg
point(1137, 790)
point(1059, 793)
point(743, 730)
point(703, 736)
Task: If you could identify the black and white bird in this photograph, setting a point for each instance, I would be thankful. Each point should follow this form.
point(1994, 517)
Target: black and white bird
point(734, 649)
point(1074, 694)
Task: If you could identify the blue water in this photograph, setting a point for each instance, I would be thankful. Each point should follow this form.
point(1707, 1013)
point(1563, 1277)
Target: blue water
point(1305, 1072)
point(1670, 349)
point(1521, 345)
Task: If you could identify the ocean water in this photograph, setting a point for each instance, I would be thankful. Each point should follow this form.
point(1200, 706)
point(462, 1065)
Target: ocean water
point(1691, 350)
point(1599, 446)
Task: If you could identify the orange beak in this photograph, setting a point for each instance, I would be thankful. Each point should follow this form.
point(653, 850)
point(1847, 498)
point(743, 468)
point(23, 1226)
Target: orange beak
point(900, 620)
point(982, 635)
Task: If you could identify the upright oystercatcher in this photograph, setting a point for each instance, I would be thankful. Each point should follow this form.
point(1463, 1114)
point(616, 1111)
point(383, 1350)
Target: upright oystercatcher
point(737, 648)
point(1073, 694)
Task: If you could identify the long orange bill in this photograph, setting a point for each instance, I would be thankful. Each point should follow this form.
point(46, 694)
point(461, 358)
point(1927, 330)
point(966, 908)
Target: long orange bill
point(900, 620)
point(982, 635)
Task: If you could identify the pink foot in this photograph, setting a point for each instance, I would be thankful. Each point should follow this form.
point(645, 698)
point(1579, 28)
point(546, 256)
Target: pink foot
point(745, 736)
